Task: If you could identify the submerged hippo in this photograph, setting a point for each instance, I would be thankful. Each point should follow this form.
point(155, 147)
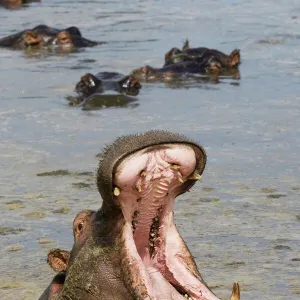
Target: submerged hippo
point(45, 36)
point(91, 87)
point(208, 66)
point(90, 84)
point(132, 249)
point(13, 4)
point(58, 259)
point(199, 54)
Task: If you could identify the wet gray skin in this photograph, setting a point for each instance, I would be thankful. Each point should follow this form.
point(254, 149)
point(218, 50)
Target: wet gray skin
point(129, 253)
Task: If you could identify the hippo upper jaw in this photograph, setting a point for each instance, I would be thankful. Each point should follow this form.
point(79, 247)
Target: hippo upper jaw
point(155, 260)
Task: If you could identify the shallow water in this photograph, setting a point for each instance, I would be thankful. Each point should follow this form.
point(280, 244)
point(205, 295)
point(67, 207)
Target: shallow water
point(242, 222)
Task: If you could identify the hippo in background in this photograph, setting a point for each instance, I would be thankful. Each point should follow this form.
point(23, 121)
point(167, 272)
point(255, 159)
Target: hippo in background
point(199, 54)
point(208, 66)
point(131, 248)
point(94, 90)
point(13, 4)
point(43, 36)
point(203, 61)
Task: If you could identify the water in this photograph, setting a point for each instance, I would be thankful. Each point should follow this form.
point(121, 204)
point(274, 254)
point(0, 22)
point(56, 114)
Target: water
point(242, 222)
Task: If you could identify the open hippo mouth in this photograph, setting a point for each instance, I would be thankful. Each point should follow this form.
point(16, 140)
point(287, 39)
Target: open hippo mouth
point(146, 184)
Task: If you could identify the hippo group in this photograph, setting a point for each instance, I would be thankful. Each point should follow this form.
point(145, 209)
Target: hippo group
point(130, 248)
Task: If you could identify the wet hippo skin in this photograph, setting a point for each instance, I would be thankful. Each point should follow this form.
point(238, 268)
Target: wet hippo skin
point(132, 249)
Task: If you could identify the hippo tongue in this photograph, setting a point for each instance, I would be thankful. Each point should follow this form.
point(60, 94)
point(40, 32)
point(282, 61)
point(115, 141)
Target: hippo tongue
point(156, 261)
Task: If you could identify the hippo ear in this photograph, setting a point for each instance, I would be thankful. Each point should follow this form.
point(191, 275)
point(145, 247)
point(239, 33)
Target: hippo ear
point(235, 292)
point(235, 57)
point(58, 259)
point(186, 45)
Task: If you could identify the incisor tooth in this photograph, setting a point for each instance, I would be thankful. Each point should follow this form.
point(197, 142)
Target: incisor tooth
point(194, 176)
point(116, 191)
point(175, 167)
point(144, 174)
point(180, 179)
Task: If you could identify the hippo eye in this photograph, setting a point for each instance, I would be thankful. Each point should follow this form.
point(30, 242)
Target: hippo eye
point(80, 226)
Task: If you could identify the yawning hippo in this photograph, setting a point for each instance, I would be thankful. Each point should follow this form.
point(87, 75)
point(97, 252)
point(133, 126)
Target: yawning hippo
point(199, 54)
point(133, 249)
point(45, 36)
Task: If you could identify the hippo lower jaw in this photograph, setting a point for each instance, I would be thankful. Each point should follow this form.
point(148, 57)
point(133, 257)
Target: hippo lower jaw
point(156, 262)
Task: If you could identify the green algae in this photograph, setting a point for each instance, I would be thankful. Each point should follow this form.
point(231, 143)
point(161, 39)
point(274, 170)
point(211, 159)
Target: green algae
point(63, 210)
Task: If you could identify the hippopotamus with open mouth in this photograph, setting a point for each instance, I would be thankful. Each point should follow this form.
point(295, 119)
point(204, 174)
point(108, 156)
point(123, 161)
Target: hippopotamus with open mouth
point(45, 36)
point(199, 54)
point(132, 248)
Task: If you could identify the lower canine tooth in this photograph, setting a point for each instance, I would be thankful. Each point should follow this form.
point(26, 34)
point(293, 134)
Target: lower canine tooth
point(235, 292)
point(116, 191)
point(138, 188)
point(180, 180)
point(194, 176)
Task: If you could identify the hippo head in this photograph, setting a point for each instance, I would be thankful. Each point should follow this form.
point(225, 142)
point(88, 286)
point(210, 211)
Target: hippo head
point(130, 248)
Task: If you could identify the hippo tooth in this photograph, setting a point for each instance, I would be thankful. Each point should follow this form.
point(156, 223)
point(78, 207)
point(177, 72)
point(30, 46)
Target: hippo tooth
point(175, 167)
point(180, 179)
point(138, 188)
point(144, 174)
point(194, 176)
point(116, 191)
point(235, 292)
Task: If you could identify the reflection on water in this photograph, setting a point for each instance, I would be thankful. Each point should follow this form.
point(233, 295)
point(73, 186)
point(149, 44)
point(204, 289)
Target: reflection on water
point(242, 221)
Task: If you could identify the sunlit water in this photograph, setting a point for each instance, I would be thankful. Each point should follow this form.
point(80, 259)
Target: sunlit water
point(242, 222)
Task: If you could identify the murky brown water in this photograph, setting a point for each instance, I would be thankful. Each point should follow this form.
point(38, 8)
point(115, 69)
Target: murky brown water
point(242, 222)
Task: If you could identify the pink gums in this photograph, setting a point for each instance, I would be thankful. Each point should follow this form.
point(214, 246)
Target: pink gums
point(149, 182)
